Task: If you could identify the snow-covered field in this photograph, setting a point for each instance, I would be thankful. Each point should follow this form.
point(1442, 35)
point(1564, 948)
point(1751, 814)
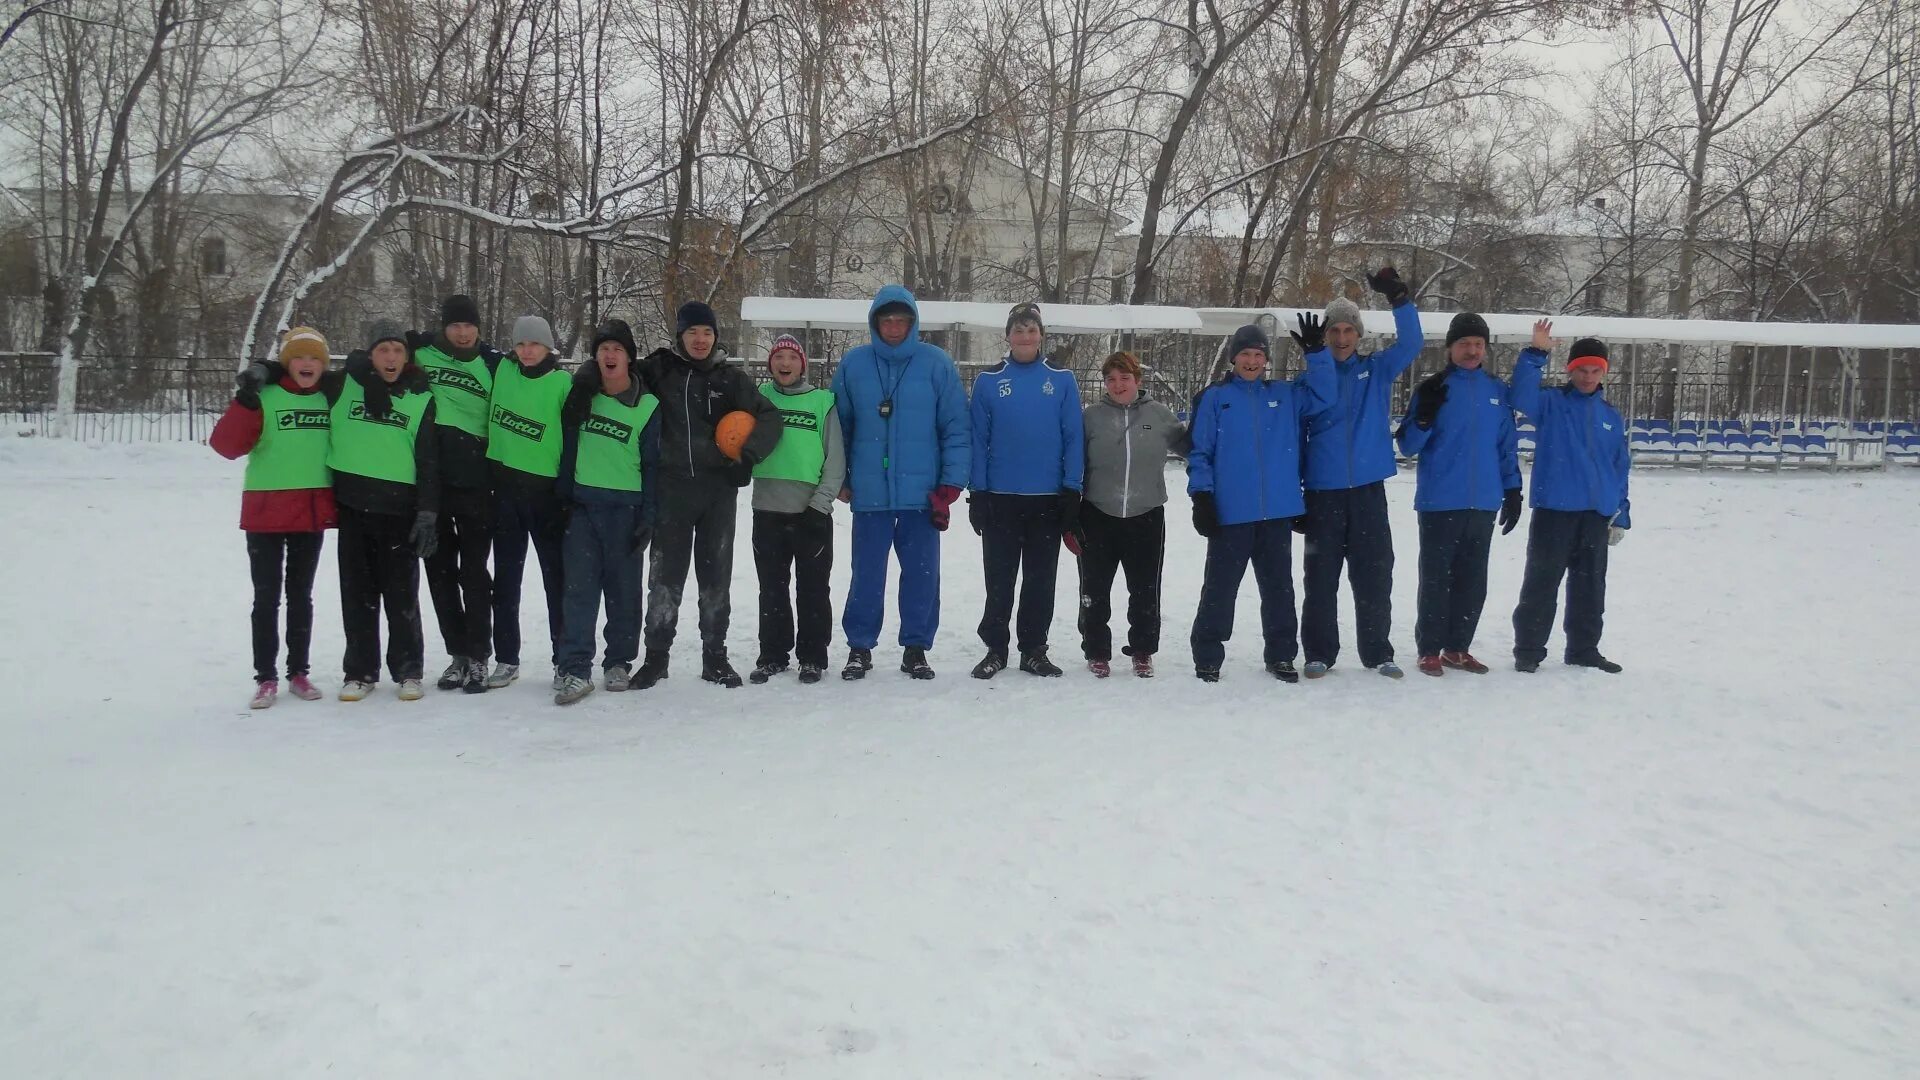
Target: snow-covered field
point(1706, 867)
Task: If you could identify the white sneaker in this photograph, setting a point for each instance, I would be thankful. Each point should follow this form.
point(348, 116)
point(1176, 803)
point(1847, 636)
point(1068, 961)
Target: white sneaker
point(410, 690)
point(503, 675)
point(570, 688)
point(355, 690)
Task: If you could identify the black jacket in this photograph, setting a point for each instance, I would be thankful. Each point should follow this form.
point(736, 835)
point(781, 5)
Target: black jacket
point(694, 395)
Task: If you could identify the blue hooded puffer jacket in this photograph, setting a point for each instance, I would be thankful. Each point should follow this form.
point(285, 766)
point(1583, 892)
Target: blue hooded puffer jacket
point(1471, 455)
point(1246, 441)
point(1580, 457)
point(1351, 444)
point(1028, 436)
point(895, 461)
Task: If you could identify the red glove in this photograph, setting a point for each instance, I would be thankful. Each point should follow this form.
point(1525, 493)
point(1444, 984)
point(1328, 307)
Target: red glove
point(1071, 538)
point(940, 505)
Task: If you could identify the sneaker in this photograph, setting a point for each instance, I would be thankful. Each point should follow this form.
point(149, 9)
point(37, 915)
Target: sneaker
point(454, 676)
point(1100, 668)
point(1036, 663)
point(1207, 674)
point(303, 689)
point(859, 662)
point(1527, 666)
point(914, 663)
point(616, 678)
point(558, 681)
point(264, 694)
point(1283, 670)
point(476, 681)
point(809, 674)
point(1143, 665)
point(715, 669)
point(355, 690)
point(766, 669)
point(1390, 669)
point(1315, 670)
point(989, 665)
point(652, 670)
point(1597, 661)
point(503, 675)
point(411, 690)
point(572, 689)
point(1462, 659)
point(1430, 665)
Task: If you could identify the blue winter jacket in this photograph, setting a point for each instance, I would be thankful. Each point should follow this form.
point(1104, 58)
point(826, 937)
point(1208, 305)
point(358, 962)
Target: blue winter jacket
point(1351, 444)
point(1246, 441)
point(1471, 456)
point(1028, 438)
point(1580, 456)
point(895, 461)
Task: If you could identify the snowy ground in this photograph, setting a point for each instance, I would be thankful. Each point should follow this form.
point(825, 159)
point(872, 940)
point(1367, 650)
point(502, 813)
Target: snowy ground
point(1706, 867)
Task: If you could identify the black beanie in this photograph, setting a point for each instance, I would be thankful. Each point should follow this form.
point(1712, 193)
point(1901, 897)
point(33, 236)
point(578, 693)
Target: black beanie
point(1025, 313)
point(618, 332)
point(1588, 347)
point(1466, 325)
point(694, 313)
point(459, 308)
point(1249, 336)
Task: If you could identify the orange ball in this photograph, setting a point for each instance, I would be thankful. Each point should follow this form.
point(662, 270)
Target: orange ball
point(731, 433)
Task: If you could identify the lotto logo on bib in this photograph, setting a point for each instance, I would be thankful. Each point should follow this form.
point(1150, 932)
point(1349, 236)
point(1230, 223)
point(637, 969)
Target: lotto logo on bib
point(304, 420)
point(359, 412)
point(612, 429)
point(453, 378)
point(508, 420)
point(806, 421)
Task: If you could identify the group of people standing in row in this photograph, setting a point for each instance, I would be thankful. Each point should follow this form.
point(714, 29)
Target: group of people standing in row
point(436, 447)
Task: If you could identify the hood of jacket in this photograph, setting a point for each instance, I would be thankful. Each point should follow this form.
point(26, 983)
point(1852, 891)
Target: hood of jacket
point(893, 294)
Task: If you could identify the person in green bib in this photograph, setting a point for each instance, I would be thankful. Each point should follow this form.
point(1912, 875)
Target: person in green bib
point(793, 494)
point(524, 444)
point(461, 369)
point(609, 477)
point(287, 505)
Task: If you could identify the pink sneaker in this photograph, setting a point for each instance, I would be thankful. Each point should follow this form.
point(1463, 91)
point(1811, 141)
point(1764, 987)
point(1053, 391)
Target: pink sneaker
point(1100, 668)
point(303, 689)
point(264, 694)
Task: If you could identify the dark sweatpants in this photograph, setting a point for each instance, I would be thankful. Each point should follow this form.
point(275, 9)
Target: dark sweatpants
point(1453, 578)
point(695, 528)
point(796, 549)
point(1269, 546)
point(378, 567)
point(1021, 542)
point(457, 577)
point(1348, 526)
point(301, 554)
point(601, 561)
point(1573, 544)
point(1137, 545)
point(516, 519)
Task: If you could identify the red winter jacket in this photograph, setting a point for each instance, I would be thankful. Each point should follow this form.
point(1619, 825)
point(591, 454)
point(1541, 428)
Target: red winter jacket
point(303, 510)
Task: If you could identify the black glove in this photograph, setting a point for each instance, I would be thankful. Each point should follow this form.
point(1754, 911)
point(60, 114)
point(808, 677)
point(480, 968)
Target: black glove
point(642, 535)
point(1388, 284)
point(1300, 524)
point(248, 384)
point(1428, 397)
point(1206, 518)
point(740, 473)
point(418, 339)
point(1311, 335)
point(979, 512)
point(1509, 510)
point(379, 396)
point(425, 536)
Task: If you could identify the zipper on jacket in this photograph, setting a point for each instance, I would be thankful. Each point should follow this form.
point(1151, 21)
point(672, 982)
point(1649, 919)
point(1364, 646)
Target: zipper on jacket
point(686, 406)
point(1473, 441)
point(1126, 474)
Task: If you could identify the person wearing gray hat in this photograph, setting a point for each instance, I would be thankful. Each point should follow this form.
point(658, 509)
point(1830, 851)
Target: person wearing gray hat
point(1349, 460)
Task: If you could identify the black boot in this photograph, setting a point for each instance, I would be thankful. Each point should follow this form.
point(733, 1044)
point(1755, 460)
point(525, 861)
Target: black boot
point(715, 669)
point(652, 670)
point(989, 665)
point(1595, 660)
point(766, 669)
point(914, 663)
point(455, 674)
point(1283, 670)
point(1036, 663)
point(476, 681)
point(859, 662)
point(809, 673)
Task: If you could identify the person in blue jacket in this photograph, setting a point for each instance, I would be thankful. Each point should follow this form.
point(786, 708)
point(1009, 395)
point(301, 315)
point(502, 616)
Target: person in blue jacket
point(1349, 459)
point(1029, 457)
point(1580, 463)
point(1460, 426)
point(903, 415)
point(1244, 476)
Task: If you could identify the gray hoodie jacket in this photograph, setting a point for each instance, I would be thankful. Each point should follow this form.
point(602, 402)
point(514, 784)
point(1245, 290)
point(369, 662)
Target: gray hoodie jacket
point(791, 496)
point(1127, 448)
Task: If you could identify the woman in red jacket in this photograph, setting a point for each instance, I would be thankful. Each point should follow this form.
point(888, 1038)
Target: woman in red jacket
point(287, 503)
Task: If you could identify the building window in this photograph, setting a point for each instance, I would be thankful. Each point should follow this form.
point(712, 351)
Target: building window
point(213, 257)
point(1596, 299)
point(965, 286)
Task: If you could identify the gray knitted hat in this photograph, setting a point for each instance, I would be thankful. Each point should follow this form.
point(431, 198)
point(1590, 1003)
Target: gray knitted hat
point(1343, 310)
point(533, 328)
